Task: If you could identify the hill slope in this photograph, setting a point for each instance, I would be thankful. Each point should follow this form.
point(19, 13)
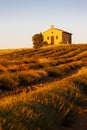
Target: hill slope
point(36, 83)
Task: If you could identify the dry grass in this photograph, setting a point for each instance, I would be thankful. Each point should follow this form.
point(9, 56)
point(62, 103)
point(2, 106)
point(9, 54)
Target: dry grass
point(54, 104)
point(59, 99)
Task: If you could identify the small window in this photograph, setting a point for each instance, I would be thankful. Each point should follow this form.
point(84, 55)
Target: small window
point(56, 37)
point(48, 38)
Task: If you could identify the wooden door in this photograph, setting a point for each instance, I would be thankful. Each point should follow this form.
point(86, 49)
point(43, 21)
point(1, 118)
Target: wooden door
point(52, 40)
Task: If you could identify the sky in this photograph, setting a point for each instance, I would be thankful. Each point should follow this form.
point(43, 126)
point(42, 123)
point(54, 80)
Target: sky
point(21, 19)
